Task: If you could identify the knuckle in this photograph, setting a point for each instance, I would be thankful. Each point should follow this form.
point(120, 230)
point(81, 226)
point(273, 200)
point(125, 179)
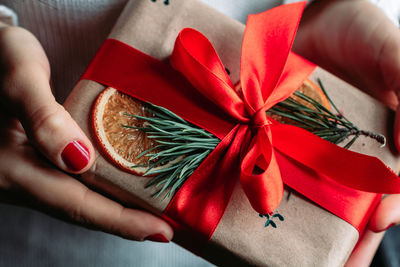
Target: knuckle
point(19, 86)
point(9, 80)
point(76, 214)
point(116, 228)
point(46, 121)
point(11, 172)
point(129, 224)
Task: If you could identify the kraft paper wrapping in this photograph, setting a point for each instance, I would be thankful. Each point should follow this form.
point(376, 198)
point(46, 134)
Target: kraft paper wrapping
point(310, 235)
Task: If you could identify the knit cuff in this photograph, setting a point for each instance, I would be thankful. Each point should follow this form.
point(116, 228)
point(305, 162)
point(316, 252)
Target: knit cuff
point(8, 16)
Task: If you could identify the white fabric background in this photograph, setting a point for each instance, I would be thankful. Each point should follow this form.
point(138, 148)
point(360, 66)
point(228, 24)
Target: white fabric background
point(71, 31)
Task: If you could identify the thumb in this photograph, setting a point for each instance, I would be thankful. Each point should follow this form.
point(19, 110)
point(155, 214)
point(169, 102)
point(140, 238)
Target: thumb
point(48, 125)
point(55, 134)
point(386, 215)
point(26, 93)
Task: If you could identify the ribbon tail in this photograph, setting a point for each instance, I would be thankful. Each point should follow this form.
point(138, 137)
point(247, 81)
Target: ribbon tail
point(260, 175)
point(352, 206)
point(354, 170)
point(197, 208)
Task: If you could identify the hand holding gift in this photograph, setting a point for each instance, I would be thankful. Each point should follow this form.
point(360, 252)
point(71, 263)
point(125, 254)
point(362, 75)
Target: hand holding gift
point(32, 121)
point(386, 215)
point(39, 191)
point(356, 41)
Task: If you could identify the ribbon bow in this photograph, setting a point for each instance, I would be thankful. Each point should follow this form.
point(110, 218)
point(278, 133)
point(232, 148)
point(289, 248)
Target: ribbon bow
point(269, 74)
point(252, 146)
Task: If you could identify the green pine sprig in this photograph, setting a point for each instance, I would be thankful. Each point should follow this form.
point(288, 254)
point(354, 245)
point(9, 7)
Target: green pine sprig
point(177, 141)
point(184, 146)
point(332, 126)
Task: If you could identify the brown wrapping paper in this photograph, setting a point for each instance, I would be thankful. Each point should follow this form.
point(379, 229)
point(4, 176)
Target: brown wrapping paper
point(310, 236)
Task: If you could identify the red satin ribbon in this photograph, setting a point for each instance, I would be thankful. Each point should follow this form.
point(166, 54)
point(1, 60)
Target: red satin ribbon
point(269, 74)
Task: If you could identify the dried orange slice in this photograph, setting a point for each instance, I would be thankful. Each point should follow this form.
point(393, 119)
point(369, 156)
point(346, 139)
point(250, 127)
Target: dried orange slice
point(312, 90)
point(122, 145)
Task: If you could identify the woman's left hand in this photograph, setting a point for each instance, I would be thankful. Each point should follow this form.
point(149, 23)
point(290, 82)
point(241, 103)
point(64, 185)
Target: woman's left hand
point(385, 216)
point(356, 41)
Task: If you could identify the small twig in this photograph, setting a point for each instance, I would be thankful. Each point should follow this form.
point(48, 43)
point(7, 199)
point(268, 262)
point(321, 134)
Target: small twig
point(378, 137)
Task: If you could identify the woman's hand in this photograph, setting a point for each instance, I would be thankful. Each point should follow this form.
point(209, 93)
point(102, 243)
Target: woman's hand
point(40, 143)
point(356, 41)
point(385, 216)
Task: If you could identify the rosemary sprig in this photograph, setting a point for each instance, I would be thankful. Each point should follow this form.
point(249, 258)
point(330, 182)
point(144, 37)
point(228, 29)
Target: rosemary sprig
point(332, 126)
point(179, 141)
point(187, 145)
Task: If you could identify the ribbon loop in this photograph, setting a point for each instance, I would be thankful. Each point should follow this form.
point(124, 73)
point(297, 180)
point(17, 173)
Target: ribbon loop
point(195, 57)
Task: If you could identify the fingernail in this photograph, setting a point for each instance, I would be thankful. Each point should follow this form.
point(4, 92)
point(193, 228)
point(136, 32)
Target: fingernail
point(75, 156)
point(389, 226)
point(384, 229)
point(157, 238)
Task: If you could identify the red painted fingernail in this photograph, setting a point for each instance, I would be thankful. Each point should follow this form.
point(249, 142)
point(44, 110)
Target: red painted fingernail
point(76, 156)
point(157, 238)
point(389, 226)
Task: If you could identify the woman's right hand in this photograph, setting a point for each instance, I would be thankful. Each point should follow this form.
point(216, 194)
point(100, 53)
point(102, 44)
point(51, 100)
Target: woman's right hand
point(40, 144)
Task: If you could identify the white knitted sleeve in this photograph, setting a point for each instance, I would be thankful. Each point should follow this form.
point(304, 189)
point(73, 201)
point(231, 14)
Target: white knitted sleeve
point(8, 16)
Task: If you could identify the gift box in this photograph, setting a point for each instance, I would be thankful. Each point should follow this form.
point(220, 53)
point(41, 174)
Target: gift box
point(310, 234)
